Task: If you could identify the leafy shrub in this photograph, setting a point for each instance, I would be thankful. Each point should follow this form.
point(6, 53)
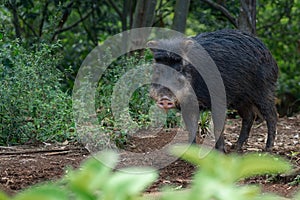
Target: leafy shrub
point(204, 122)
point(139, 101)
point(32, 105)
point(296, 180)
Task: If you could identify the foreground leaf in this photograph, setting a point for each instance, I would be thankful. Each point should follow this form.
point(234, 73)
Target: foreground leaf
point(129, 182)
point(3, 196)
point(258, 164)
point(234, 166)
point(93, 175)
point(46, 192)
point(217, 174)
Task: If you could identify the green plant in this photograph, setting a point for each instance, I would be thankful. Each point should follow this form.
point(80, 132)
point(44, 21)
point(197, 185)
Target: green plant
point(218, 173)
point(32, 105)
point(120, 138)
point(204, 122)
point(296, 180)
point(107, 84)
point(294, 154)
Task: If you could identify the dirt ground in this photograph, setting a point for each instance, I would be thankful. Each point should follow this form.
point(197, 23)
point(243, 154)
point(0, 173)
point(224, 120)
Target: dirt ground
point(23, 166)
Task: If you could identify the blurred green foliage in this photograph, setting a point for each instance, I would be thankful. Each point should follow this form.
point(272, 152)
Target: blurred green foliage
point(94, 180)
point(218, 173)
point(216, 178)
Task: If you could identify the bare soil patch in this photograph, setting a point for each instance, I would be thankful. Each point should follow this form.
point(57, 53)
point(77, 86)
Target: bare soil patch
point(23, 166)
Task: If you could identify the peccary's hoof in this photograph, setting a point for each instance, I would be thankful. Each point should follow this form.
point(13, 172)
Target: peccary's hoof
point(237, 148)
point(269, 149)
point(221, 149)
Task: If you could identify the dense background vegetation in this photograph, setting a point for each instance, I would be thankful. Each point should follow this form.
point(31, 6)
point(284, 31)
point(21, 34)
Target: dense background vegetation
point(43, 44)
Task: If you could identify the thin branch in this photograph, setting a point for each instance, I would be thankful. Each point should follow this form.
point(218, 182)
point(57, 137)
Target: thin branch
point(65, 15)
point(162, 4)
point(75, 24)
point(161, 18)
point(71, 26)
point(15, 19)
point(29, 26)
point(86, 29)
point(44, 14)
point(224, 11)
point(18, 16)
point(34, 151)
point(116, 8)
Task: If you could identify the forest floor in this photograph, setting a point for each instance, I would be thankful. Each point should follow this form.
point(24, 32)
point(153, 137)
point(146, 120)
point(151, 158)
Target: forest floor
point(23, 166)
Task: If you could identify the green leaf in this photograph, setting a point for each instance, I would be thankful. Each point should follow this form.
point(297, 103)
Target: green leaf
point(193, 154)
point(107, 158)
point(257, 164)
point(93, 174)
point(212, 162)
point(176, 195)
point(1, 36)
point(3, 196)
point(232, 167)
point(46, 192)
point(129, 182)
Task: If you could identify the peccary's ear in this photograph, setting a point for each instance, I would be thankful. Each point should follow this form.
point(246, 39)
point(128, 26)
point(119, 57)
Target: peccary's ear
point(187, 45)
point(152, 44)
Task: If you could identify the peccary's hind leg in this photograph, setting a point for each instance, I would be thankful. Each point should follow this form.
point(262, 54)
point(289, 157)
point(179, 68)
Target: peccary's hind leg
point(247, 116)
point(270, 115)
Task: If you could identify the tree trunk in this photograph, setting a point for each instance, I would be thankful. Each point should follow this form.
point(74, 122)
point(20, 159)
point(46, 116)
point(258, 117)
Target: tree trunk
point(247, 16)
point(143, 17)
point(144, 13)
point(126, 10)
point(180, 15)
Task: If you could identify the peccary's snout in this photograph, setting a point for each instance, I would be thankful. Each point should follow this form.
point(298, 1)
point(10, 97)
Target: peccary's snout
point(165, 103)
point(163, 97)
